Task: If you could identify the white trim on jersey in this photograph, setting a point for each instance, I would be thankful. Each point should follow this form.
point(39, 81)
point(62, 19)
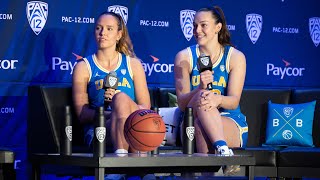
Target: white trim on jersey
point(95, 61)
point(190, 60)
point(218, 60)
point(129, 67)
point(228, 59)
point(88, 67)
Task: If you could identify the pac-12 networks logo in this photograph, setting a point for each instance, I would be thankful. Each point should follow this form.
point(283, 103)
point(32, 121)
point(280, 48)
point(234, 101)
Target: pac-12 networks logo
point(254, 26)
point(37, 13)
point(314, 29)
point(157, 67)
point(121, 10)
point(186, 22)
point(284, 71)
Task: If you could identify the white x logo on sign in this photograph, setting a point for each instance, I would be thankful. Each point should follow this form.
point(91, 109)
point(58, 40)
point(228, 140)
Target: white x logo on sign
point(287, 122)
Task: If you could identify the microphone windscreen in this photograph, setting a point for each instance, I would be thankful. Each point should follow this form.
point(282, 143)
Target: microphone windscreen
point(113, 73)
point(111, 80)
point(204, 63)
point(202, 55)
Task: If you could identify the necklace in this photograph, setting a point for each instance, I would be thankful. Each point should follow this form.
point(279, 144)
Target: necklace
point(107, 64)
point(114, 56)
point(215, 58)
point(114, 61)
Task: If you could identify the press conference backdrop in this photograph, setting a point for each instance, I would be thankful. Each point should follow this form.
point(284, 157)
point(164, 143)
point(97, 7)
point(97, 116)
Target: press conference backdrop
point(41, 41)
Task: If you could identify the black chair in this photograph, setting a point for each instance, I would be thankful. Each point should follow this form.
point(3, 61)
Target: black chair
point(254, 104)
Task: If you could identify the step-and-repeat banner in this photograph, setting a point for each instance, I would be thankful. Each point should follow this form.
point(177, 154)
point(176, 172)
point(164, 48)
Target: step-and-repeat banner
point(41, 42)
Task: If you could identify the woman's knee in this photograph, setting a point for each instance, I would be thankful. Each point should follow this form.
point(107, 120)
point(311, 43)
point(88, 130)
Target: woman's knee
point(122, 104)
point(120, 96)
point(120, 100)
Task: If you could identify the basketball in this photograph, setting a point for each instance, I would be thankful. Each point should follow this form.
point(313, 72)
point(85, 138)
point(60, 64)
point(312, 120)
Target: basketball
point(144, 130)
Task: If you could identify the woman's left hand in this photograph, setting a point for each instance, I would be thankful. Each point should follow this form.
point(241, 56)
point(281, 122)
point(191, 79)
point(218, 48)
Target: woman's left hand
point(209, 100)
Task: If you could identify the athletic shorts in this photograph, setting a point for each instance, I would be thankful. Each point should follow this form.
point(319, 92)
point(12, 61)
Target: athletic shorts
point(242, 125)
point(88, 135)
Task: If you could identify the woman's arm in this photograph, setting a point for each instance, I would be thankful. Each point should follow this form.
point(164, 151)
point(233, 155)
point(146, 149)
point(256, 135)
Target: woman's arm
point(140, 84)
point(80, 80)
point(182, 79)
point(236, 80)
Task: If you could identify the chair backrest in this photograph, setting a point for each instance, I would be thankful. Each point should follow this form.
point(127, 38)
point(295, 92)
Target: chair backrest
point(308, 95)
point(254, 105)
point(46, 105)
point(163, 99)
point(46, 111)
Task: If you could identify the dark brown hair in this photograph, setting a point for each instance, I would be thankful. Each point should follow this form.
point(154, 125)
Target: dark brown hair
point(124, 45)
point(224, 37)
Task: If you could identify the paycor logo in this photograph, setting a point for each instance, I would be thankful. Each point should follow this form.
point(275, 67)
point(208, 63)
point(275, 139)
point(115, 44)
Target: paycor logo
point(8, 64)
point(284, 71)
point(157, 67)
point(58, 63)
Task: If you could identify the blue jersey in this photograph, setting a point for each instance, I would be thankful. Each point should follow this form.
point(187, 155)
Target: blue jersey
point(220, 68)
point(97, 73)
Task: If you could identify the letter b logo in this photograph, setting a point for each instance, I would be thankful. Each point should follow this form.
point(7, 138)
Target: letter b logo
point(275, 122)
point(299, 122)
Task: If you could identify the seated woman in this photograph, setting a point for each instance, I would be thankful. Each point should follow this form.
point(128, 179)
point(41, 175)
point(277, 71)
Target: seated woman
point(114, 53)
point(218, 120)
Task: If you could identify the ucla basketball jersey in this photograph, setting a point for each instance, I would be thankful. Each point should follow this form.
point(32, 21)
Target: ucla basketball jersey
point(220, 68)
point(97, 74)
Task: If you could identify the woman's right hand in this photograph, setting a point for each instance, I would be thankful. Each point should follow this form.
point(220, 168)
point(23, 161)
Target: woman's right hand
point(108, 94)
point(205, 78)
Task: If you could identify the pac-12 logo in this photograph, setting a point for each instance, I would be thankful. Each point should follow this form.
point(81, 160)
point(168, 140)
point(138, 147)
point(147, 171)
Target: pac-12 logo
point(205, 60)
point(112, 80)
point(37, 13)
point(186, 22)
point(287, 111)
point(121, 10)
point(100, 133)
point(190, 132)
point(314, 29)
point(68, 131)
point(254, 26)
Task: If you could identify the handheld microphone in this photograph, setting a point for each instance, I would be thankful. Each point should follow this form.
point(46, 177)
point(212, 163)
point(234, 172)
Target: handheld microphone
point(204, 63)
point(110, 81)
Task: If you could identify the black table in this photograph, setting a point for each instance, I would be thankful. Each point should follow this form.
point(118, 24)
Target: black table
point(140, 163)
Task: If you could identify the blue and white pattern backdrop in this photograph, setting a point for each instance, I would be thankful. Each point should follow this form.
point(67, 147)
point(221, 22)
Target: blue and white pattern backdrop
point(41, 42)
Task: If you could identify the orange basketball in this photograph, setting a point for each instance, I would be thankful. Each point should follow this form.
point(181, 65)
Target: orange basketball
point(144, 130)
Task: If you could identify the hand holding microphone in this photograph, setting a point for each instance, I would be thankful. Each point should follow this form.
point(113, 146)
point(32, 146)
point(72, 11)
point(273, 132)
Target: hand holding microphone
point(110, 83)
point(204, 63)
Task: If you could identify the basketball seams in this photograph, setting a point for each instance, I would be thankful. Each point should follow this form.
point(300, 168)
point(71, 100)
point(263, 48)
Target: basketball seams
point(131, 116)
point(140, 143)
point(128, 139)
point(143, 130)
point(132, 126)
point(144, 119)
